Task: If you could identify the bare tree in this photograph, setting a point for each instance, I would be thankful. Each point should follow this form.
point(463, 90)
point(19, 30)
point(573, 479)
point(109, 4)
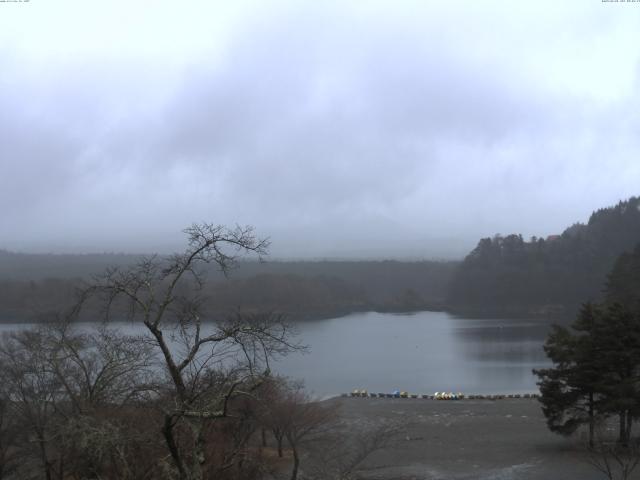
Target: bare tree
point(98, 367)
point(122, 444)
point(207, 364)
point(613, 459)
point(305, 419)
point(61, 386)
point(273, 410)
point(9, 431)
point(105, 377)
point(32, 395)
point(343, 453)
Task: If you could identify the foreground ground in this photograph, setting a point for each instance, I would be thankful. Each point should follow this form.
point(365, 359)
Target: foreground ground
point(468, 439)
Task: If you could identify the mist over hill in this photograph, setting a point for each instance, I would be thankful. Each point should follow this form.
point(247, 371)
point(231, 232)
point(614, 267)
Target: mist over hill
point(502, 275)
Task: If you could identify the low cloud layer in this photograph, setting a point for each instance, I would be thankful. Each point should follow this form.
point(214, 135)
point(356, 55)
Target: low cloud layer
point(339, 130)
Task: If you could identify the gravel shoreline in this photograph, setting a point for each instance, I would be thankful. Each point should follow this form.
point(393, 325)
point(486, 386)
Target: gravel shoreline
point(467, 439)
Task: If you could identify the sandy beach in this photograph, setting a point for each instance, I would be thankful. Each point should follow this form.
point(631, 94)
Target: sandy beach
point(468, 439)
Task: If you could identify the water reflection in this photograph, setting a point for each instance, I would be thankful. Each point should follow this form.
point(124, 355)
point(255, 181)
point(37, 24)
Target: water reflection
point(486, 340)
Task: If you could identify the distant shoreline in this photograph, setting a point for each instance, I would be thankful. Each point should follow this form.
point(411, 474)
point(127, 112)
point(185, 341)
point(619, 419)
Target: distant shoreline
point(554, 316)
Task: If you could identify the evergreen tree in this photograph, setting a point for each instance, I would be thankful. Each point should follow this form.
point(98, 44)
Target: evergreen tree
point(596, 371)
point(623, 283)
point(617, 336)
point(569, 389)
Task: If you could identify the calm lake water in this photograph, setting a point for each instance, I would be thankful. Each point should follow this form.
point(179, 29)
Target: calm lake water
point(421, 352)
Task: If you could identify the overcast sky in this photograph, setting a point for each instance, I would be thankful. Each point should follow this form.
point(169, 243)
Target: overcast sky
point(339, 129)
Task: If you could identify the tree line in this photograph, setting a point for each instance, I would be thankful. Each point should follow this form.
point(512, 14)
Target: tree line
point(298, 295)
point(552, 276)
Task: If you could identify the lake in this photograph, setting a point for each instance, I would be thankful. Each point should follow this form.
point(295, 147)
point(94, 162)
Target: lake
point(421, 352)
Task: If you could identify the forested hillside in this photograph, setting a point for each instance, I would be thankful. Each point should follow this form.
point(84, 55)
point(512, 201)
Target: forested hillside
point(623, 283)
point(546, 276)
point(35, 286)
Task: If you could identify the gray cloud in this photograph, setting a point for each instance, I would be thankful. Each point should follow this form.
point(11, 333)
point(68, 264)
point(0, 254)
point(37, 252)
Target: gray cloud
point(337, 130)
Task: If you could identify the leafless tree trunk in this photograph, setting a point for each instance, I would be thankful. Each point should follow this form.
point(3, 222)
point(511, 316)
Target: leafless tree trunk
point(263, 435)
point(279, 436)
point(209, 365)
point(296, 462)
